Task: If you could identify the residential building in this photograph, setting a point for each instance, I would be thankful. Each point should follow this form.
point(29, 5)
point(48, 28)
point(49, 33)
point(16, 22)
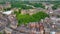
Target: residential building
point(5, 6)
point(13, 21)
point(8, 30)
point(31, 11)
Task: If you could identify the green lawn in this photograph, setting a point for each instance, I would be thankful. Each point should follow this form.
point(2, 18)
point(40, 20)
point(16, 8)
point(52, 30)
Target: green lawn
point(0, 33)
point(26, 18)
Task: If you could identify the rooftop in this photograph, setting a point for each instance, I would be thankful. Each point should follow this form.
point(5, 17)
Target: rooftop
point(7, 12)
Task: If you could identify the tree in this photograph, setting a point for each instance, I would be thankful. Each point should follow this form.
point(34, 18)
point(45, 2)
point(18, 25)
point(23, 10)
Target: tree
point(38, 5)
point(56, 5)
